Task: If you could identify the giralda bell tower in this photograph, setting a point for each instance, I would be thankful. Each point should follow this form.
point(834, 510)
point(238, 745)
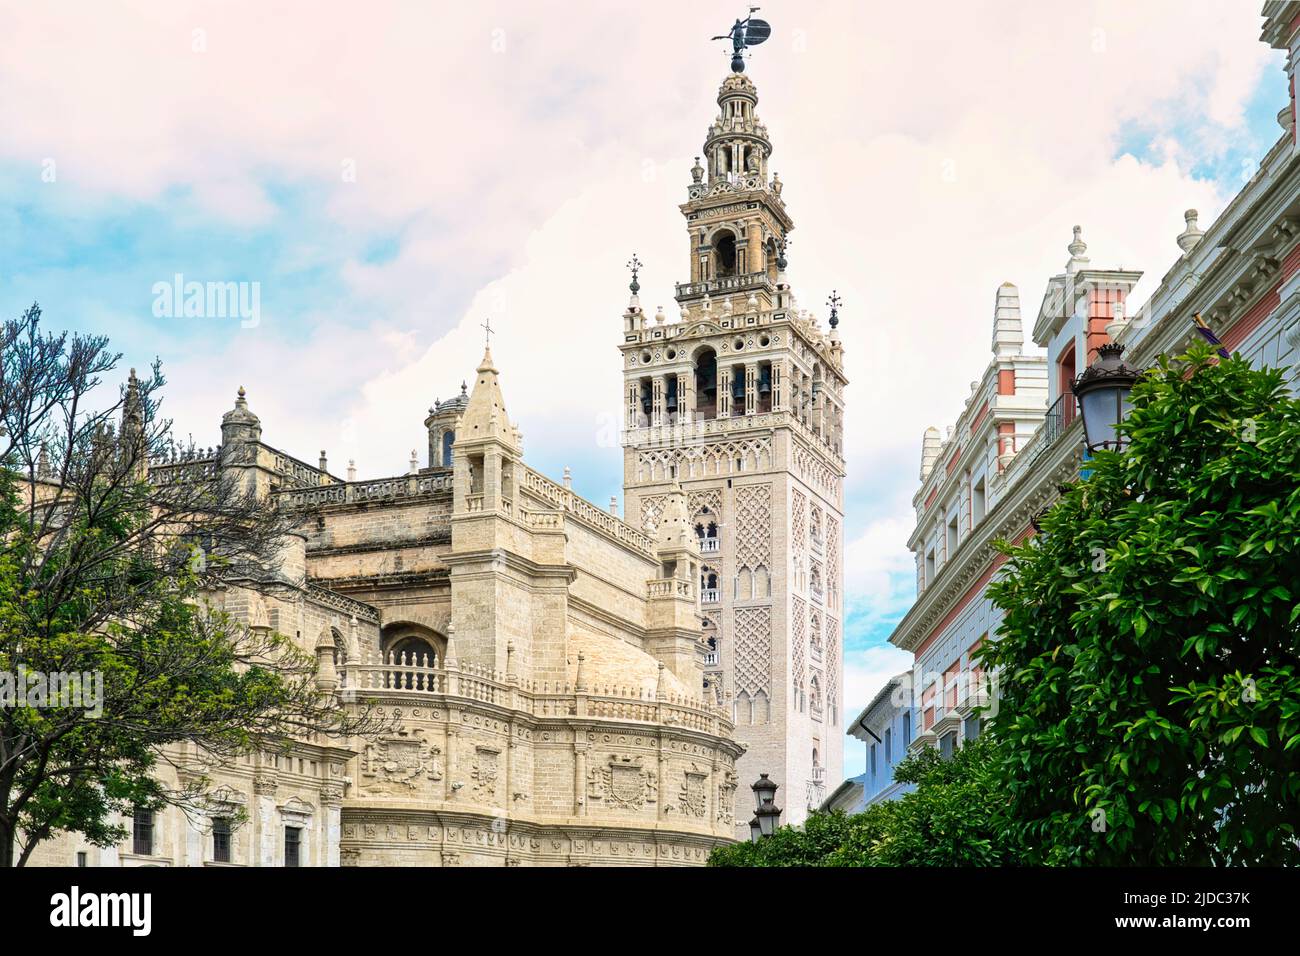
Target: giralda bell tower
point(740, 400)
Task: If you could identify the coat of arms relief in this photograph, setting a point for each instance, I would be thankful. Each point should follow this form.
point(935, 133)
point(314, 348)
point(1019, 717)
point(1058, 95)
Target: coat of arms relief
point(398, 763)
point(623, 782)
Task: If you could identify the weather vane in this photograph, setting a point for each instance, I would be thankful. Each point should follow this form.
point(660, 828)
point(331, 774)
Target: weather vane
point(834, 302)
point(745, 33)
point(635, 265)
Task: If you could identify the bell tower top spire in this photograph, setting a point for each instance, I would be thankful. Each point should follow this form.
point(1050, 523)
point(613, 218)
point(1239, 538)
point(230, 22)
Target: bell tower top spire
point(734, 212)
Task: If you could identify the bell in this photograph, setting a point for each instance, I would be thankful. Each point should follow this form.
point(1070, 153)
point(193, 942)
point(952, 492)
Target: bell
point(738, 388)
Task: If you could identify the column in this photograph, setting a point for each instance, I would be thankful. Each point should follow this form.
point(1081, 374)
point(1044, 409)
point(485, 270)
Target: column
point(751, 388)
point(685, 396)
point(580, 778)
point(657, 390)
point(778, 385)
point(724, 391)
point(633, 404)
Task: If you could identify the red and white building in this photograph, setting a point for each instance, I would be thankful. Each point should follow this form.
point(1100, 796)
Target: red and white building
point(1019, 437)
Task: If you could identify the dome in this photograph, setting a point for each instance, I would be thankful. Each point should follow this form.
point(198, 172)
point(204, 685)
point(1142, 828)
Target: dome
point(241, 414)
point(609, 662)
point(240, 424)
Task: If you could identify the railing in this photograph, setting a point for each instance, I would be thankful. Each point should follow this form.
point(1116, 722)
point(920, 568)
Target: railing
point(669, 587)
point(710, 658)
point(1058, 418)
point(819, 774)
point(191, 469)
point(749, 280)
point(586, 512)
point(356, 492)
point(362, 680)
point(708, 545)
point(709, 595)
point(362, 612)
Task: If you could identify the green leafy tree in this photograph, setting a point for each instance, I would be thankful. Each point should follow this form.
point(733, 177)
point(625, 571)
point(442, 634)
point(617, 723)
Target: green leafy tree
point(1150, 709)
point(98, 575)
point(954, 817)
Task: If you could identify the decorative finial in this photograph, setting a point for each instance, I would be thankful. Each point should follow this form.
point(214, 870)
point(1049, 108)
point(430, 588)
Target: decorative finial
point(464, 390)
point(487, 333)
point(1078, 247)
point(1189, 237)
point(781, 245)
point(242, 393)
point(635, 265)
point(743, 34)
point(834, 302)
point(697, 171)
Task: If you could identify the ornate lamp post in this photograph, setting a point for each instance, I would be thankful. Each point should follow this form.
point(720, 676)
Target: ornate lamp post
point(767, 814)
point(1103, 393)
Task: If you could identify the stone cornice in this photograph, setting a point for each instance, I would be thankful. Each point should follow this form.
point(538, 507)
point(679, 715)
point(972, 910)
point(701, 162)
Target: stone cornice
point(1241, 260)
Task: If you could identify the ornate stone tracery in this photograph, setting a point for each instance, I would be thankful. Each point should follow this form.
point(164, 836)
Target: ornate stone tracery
point(754, 527)
point(652, 509)
point(753, 642)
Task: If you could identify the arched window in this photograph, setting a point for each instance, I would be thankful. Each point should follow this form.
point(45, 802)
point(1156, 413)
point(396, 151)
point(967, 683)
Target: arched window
point(889, 747)
point(412, 649)
point(907, 728)
point(724, 249)
point(706, 384)
point(448, 438)
point(708, 586)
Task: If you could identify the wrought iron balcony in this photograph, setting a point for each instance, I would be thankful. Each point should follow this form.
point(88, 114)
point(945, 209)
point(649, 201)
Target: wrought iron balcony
point(1055, 423)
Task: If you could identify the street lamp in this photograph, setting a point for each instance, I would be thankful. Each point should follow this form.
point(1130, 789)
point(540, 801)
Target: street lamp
point(1103, 394)
point(767, 814)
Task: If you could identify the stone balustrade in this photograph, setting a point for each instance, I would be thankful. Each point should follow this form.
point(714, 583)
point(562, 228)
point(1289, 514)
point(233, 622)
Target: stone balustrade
point(584, 511)
point(358, 492)
point(388, 679)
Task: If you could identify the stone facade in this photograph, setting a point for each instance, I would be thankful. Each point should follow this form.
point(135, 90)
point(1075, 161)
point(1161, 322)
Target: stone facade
point(540, 659)
point(739, 402)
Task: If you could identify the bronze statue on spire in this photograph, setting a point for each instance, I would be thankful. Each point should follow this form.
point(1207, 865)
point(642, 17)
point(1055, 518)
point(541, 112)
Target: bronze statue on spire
point(743, 34)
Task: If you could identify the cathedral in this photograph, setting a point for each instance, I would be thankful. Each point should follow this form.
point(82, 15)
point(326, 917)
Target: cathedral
point(568, 688)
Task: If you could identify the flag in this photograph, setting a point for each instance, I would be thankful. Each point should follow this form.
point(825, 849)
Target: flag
point(1208, 334)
